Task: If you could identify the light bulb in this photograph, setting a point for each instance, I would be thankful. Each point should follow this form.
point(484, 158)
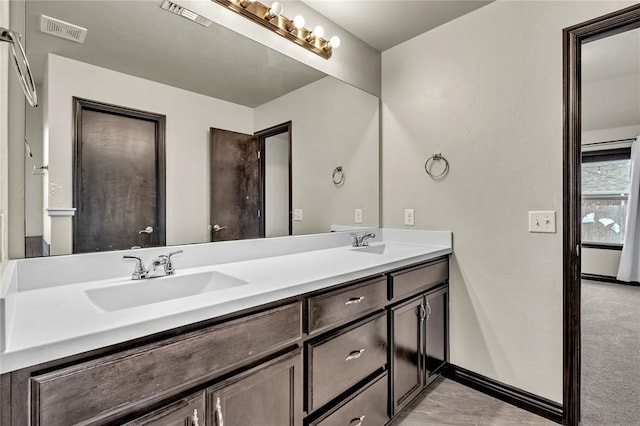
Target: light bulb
point(318, 31)
point(298, 21)
point(335, 41)
point(276, 9)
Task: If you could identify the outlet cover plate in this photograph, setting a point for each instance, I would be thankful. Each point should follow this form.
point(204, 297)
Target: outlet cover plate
point(357, 216)
point(297, 215)
point(542, 221)
point(409, 217)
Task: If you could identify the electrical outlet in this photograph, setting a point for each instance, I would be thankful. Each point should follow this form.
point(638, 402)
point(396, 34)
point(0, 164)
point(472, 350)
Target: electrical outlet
point(357, 217)
point(409, 217)
point(297, 215)
point(542, 221)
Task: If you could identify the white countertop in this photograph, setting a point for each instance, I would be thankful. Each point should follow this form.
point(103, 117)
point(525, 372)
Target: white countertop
point(50, 322)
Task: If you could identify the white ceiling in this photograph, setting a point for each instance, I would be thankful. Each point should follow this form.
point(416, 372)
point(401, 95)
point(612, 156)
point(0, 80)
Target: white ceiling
point(385, 23)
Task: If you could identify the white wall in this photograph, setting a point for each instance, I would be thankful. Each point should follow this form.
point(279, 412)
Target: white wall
point(610, 112)
point(600, 262)
point(485, 90)
point(344, 130)
point(34, 184)
point(276, 182)
point(189, 117)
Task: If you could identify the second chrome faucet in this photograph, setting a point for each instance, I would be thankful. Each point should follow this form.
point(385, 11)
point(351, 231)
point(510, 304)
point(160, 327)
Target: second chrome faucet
point(160, 266)
point(362, 240)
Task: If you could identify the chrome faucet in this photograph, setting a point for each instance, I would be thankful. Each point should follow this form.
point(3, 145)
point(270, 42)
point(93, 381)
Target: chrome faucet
point(362, 241)
point(164, 260)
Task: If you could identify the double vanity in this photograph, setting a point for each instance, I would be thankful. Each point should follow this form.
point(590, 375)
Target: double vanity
point(304, 330)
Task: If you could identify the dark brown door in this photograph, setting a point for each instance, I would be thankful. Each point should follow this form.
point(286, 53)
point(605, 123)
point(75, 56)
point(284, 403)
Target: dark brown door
point(436, 331)
point(271, 396)
point(407, 352)
point(119, 178)
point(235, 186)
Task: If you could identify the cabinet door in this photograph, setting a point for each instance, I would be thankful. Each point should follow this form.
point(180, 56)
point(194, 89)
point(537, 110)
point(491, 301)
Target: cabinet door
point(270, 395)
point(188, 411)
point(436, 326)
point(406, 351)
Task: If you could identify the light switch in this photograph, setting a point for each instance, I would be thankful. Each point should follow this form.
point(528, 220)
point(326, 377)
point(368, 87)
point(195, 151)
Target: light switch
point(542, 221)
point(297, 215)
point(357, 217)
point(409, 217)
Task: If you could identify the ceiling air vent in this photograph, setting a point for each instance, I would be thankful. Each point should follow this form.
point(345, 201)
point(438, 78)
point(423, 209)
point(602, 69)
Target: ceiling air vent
point(185, 13)
point(62, 29)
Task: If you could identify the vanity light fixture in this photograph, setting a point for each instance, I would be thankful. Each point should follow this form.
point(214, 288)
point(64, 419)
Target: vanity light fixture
point(291, 29)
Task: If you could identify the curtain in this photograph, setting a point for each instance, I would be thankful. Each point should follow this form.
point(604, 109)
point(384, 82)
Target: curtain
point(629, 269)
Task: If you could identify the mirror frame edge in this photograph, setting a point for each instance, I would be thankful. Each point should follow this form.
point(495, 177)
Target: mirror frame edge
point(15, 232)
point(572, 39)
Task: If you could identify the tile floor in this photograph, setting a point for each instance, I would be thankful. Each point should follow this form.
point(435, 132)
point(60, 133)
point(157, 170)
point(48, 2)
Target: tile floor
point(450, 403)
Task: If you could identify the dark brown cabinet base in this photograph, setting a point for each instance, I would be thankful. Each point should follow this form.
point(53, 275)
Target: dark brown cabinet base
point(352, 354)
point(272, 395)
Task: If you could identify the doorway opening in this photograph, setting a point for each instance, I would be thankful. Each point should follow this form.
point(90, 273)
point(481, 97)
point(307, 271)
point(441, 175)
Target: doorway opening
point(573, 39)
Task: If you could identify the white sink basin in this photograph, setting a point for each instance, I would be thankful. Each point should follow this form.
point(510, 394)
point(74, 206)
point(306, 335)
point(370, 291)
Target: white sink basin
point(377, 249)
point(154, 290)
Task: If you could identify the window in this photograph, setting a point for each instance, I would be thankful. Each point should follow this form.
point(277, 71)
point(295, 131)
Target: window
point(605, 191)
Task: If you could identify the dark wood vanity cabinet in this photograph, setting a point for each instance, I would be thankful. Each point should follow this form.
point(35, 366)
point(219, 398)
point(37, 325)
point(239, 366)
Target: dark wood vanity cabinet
point(354, 354)
point(419, 347)
point(188, 411)
point(270, 395)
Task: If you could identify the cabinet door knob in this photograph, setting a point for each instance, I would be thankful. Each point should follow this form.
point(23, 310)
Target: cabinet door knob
point(423, 312)
point(354, 355)
point(219, 416)
point(357, 421)
point(354, 300)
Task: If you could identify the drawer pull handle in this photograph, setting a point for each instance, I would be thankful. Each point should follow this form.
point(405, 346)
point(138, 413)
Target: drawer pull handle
point(357, 421)
point(354, 355)
point(354, 300)
point(219, 417)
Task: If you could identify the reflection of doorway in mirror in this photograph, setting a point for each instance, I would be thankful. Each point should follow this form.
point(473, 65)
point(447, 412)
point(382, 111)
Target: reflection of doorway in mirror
point(610, 311)
point(276, 166)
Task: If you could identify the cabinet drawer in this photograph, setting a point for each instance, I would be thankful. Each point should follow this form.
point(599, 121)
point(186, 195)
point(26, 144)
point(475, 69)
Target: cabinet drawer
point(405, 283)
point(368, 408)
point(340, 306)
point(101, 390)
point(340, 361)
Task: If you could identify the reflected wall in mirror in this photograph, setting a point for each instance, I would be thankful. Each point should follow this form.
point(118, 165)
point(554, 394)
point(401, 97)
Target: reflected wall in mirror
point(138, 56)
point(610, 98)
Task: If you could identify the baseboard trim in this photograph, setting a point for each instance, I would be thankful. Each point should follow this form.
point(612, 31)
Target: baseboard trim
point(608, 279)
point(527, 401)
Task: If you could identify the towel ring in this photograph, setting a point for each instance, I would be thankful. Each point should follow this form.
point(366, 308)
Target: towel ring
point(21, 64)
point(338, 175)
point(429, 163)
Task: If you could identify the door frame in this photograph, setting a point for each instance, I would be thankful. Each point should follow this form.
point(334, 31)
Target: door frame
point(262, 137)
point(573, 38)
point(80, 104)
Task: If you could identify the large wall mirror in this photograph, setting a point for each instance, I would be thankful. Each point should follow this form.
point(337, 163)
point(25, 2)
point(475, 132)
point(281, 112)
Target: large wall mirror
point(156, 130)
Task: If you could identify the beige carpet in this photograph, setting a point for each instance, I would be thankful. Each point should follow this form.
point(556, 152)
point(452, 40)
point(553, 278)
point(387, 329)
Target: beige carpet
point(610, 354)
